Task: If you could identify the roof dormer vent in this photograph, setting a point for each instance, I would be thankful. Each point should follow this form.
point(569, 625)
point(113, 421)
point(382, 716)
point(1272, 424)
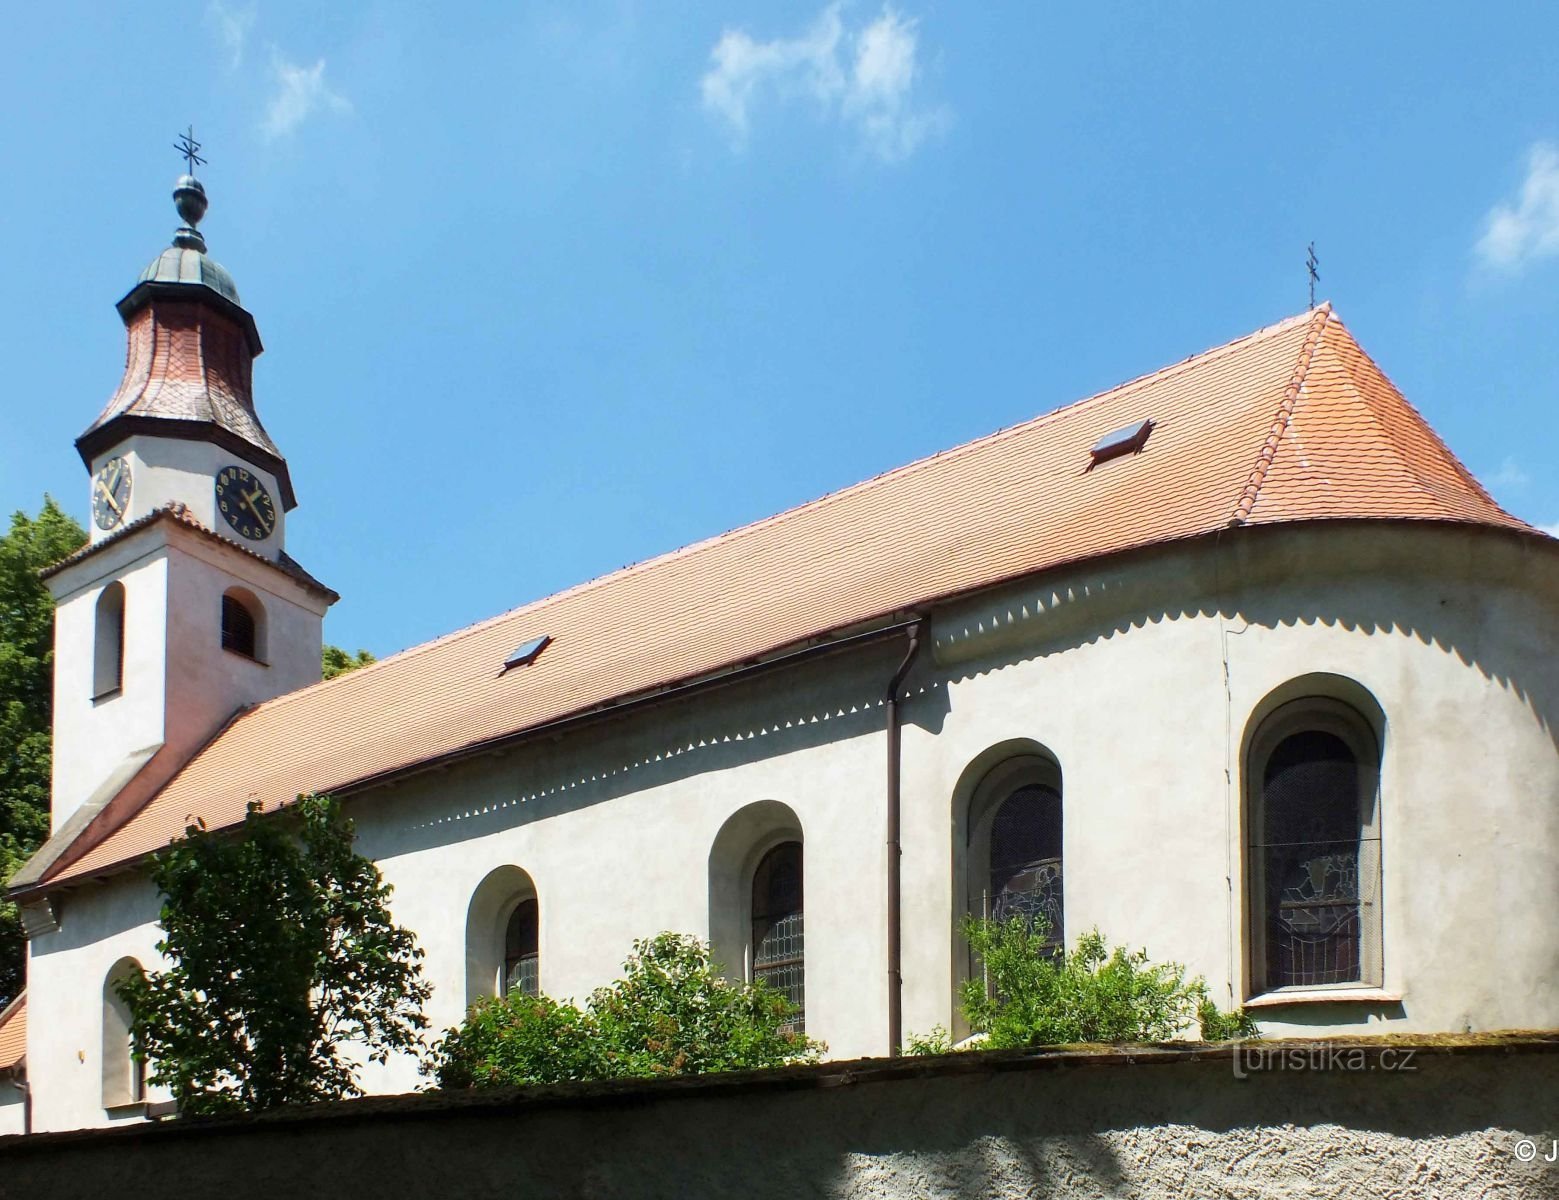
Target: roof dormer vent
point(1128, 439)
point(526, 653)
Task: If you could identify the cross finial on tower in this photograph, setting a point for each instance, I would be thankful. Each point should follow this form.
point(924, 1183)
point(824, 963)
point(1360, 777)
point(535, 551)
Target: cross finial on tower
point(1311, 262)
point(189, 197)
point(189, 148)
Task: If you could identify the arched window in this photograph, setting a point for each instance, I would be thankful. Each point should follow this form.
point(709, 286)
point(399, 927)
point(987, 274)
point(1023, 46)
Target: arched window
point(124, 1079)
point(756, 895)
point(108, 651)
point(1313, 853)
point(778, 926)
point(1013, 856)
point(520, 955)
point(243, 626)
point(503, 936)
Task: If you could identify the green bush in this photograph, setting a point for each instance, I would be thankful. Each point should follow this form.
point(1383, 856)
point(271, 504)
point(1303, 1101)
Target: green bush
point(671, 1013)
point(938, 1041)
point(1220, 1026)
point(1032, 995)
point(518, 1039)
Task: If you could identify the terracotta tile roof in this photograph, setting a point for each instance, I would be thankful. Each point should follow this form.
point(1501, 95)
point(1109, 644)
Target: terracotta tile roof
point(175, 511)
point(1292, 422)
point(13, 1032)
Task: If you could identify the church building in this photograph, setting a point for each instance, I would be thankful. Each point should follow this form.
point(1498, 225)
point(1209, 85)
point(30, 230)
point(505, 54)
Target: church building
point(1235, 662)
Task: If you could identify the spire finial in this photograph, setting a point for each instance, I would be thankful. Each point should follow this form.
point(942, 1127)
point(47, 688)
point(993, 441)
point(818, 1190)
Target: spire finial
point(190, 149)
point(189, 197)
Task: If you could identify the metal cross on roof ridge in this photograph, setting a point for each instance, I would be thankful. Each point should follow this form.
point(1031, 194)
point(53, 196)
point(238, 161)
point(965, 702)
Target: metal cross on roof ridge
point(1311, 262)
point(188, 147)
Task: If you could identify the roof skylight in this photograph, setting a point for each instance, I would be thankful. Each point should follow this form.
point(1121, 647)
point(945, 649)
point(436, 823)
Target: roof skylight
point(526, 653)
point(1128, 439)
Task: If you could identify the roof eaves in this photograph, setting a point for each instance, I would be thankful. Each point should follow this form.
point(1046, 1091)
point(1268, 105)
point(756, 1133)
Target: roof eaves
point(180, 513)
point(1258, 472)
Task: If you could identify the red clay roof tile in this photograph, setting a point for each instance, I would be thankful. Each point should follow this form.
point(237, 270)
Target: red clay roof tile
point(13, 1032)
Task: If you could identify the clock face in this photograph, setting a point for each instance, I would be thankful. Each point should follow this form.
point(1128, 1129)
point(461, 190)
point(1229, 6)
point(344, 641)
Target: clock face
point(243, 500)
point(111, 493)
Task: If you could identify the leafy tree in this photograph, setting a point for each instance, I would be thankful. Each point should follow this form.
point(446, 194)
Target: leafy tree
point(1033, 996)
point(282, 954)
point(336, 661)
point(26, 705)
point(671, 1013)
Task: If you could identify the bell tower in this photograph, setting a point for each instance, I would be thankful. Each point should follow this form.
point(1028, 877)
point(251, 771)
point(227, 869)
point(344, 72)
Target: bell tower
point(184, 608)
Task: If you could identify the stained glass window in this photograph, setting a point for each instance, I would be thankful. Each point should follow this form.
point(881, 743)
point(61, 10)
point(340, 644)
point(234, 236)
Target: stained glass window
point(1025, 867)
point(778, 930)
point(1310, 852)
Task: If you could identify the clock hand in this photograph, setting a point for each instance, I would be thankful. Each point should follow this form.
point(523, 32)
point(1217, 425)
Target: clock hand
point(109, 496)
point(249, 499)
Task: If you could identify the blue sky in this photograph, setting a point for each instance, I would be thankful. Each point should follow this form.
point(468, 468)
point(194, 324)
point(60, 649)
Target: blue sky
point(550, 288)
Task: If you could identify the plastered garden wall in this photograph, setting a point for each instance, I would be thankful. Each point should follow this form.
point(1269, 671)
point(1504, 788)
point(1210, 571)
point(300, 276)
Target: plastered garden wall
point(1434, 1118)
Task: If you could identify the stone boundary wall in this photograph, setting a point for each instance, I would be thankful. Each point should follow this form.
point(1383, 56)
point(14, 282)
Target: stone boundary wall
point(1473, 1116)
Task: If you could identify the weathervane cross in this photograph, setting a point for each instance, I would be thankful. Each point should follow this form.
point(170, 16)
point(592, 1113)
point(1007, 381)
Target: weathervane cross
point(188, 147)
point(1311, 262)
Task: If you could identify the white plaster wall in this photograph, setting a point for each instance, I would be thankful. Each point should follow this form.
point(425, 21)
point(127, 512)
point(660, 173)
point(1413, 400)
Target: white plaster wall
point(1140, 677)
point(1145, 704)
point(93, 737)
point(615, 830)
point(165, 470)
point(65, 975)
point(179, 685)
point(213, 683)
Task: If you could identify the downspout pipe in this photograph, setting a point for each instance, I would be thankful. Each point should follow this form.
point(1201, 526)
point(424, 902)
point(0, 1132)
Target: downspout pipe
point(895, 849)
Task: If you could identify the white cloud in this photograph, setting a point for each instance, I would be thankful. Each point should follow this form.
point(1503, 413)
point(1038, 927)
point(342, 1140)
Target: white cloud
point(300, 92)
point(1517, 233)
point(1510, 474)
point(863, 78)
point(232, 27)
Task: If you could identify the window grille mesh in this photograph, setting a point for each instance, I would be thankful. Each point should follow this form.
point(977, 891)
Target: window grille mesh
point(1320, 866)
point(778, 927)
point(520, 958)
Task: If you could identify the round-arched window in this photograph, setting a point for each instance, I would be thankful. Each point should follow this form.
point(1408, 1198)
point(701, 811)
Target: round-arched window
point(242, 629)
point(778, 925)
point(520, 953)
point(1314, 849)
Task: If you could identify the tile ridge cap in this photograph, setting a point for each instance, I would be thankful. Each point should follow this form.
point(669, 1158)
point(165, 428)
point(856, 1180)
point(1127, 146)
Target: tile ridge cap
point(1319, 320)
